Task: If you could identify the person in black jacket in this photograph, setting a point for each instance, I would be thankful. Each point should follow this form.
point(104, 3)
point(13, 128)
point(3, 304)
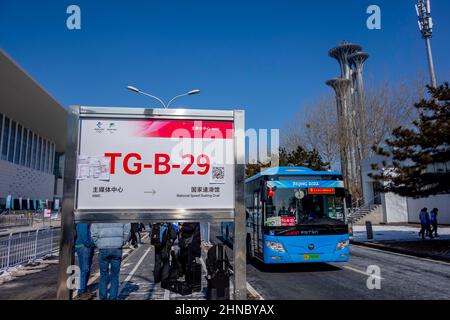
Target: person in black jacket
point(434, 222)
point(133, 238)
point(189, 243)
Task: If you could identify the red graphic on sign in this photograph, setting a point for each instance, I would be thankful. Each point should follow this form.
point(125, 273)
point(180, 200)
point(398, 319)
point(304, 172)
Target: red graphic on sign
point(185, 129)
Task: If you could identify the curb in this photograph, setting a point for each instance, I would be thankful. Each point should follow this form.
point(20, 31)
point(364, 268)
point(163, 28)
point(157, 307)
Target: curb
point(401, 251)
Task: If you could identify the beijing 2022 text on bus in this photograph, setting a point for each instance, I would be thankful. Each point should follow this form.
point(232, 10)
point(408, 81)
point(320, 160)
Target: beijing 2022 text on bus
point(295, 215)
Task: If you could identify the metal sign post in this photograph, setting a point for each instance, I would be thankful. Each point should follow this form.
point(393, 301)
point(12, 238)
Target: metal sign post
point(153, 165)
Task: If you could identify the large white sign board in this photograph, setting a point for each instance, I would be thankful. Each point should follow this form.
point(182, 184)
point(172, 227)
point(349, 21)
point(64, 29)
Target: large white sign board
point(155, 164)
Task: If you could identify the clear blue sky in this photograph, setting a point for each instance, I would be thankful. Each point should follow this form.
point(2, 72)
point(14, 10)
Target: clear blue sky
point(269, 57)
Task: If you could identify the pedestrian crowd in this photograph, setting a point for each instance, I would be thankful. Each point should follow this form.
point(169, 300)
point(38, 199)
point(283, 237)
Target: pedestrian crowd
point(428, 223)
point(110, 239)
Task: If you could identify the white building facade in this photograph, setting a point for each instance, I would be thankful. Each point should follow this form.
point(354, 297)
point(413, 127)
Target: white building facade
point(397, 209)
point(32, 139)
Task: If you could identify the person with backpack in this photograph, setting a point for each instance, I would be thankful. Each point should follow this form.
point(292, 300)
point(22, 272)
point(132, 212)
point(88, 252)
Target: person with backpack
point(190, 244)
point(434, 221)
point(84, 248)
point(162, 238)
point(190, 251)
point(109, 239)
point(425, 229)
point(133, 237)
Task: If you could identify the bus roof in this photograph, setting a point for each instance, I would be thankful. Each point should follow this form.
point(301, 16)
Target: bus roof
point(292, 171)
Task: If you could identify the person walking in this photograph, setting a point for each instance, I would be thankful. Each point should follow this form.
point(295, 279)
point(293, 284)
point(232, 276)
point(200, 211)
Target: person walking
point(425, 229)
point(133, 237)
point(109, 239)
point(141, 228)
point(84, 247)
point(163, 237)
point(190, 244)
point(434, 221)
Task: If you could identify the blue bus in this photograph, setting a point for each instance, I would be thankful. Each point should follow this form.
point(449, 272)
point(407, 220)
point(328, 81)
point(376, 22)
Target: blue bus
point(295, 215)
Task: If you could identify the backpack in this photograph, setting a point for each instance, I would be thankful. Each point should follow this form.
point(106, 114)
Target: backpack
point(219, 270)
point(156, 238)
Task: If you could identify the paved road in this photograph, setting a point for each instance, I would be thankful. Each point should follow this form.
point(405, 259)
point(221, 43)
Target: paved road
point(402, 277)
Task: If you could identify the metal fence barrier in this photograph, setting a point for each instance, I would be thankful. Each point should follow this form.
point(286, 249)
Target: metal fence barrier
point(21, 218)
point(23, 247)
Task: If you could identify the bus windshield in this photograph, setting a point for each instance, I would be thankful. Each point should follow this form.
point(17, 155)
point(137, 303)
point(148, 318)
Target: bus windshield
point(292, 207)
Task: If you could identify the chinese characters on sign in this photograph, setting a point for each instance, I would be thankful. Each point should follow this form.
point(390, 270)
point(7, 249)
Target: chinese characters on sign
point(107, 189)
point(205, 189)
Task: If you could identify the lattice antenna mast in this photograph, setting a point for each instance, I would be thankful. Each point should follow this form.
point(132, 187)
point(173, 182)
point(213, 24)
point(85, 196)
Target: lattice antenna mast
point(423, 10)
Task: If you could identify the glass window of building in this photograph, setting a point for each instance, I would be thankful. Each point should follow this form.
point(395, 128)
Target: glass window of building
point(24, 147)
point(18, 145)
point(47, 163)
point(44, 154)
point(33, 160)
point(12, 139)
point(5, 139)
point(29, 145)
point(52, 158)
point(38, 154)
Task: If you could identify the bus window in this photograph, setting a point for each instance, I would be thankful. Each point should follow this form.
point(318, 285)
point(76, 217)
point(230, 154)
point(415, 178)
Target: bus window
point(289, 206)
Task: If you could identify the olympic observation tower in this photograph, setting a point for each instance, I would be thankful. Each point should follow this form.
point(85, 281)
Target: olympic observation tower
point(349, 89)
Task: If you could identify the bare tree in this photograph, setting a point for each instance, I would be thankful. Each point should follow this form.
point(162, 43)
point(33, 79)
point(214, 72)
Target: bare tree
point(316, 126)
point(315, 129)
point(387, 107)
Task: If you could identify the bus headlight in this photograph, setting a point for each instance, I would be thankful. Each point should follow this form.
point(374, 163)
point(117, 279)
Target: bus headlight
point(276, 246)
point(342, 245)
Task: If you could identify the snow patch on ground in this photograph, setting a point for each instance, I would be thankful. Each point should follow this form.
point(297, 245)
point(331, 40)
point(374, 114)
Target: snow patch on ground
point(396, 233)
point(25, 269)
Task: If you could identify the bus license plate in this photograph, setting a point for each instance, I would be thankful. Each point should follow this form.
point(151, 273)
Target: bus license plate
point(311, 257)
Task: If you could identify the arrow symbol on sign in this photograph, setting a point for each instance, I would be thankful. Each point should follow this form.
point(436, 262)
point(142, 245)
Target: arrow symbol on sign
point(153, 192)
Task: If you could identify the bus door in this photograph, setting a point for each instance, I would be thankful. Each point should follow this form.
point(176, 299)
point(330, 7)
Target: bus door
point(257, 231)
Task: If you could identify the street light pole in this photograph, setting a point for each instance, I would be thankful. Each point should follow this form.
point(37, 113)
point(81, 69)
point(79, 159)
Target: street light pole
point(134, 89)
point(182, 95)
point(425, 22)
